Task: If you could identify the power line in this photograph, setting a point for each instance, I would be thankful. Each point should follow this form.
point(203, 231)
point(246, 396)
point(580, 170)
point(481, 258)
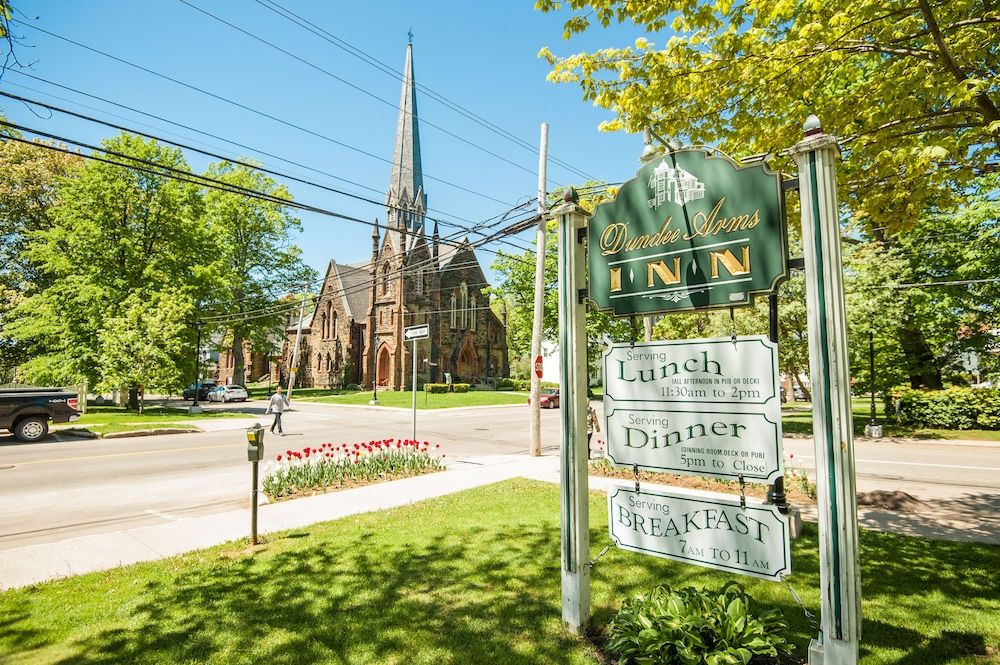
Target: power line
point(185, 176)
point(75, 114)
point(249, 109)
point(387, 69)
point(220, 138)
point(352, 85)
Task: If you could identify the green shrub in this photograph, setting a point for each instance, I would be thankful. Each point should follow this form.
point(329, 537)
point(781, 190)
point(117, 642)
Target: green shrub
point(436, 387)
point(505, 384)
point(953, 408)
point(460, 387)
point(693, 626)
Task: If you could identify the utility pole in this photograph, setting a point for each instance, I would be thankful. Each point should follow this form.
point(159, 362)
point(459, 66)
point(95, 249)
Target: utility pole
point(535, 410)
point(298, 339)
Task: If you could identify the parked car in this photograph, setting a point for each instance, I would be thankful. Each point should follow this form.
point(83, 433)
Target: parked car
point(203, 389)
point(230, 393)
point(548, 398)
point(27, 412)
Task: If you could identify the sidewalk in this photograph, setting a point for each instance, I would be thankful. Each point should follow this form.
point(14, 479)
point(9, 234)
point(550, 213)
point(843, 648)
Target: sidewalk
point(36, 563)
point(976, 519)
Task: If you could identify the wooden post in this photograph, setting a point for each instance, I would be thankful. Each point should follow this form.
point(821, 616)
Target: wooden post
point(573, 400)
point(840, 587)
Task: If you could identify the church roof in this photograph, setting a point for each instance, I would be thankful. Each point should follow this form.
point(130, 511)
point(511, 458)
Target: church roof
point(356, 289)
point(406, 182)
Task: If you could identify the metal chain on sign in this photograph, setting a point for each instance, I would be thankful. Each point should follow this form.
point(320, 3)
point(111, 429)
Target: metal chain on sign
point(743, 496)
point(732, 321)
point(632, 330)
point(635, 474)
point(810, 617)
point(593, 562)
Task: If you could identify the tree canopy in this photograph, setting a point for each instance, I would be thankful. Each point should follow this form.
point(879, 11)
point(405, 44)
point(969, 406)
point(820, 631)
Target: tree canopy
point(910, 87)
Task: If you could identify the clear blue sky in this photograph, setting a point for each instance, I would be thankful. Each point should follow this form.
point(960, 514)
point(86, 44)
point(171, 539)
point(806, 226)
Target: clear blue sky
point(479, 55)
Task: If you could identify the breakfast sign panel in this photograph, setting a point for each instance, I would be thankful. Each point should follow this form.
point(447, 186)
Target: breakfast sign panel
point(691, 231)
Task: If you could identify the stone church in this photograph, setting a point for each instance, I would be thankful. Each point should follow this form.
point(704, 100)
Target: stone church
point(354, 334)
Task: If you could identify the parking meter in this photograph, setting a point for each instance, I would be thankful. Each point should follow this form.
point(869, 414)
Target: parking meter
point(255, 443)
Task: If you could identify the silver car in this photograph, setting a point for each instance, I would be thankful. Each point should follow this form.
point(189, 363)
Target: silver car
point(230, 393)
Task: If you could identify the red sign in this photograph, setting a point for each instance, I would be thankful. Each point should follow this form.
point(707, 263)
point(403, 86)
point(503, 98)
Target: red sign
point(538, 367)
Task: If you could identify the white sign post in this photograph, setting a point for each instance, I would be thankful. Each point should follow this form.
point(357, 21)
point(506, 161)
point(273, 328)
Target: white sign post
point(707, 407)
point(413, 333)
point(701, 528)
point(574, 508)
point(840, 584)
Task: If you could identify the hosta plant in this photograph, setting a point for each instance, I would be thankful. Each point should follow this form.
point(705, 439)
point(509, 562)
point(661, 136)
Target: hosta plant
point(691, 626)
point(336, 465)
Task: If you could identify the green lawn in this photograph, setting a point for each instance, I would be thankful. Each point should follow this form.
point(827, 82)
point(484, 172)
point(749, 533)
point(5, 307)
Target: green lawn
point(105, 419)
point(468, 578)
point(796, 418)
point(404, 399)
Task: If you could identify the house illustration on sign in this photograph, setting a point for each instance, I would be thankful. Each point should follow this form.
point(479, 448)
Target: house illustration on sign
point(674, 184)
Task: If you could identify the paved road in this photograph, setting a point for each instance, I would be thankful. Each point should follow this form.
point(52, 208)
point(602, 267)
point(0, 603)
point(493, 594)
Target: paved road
point(61, 489)
point(65, 487)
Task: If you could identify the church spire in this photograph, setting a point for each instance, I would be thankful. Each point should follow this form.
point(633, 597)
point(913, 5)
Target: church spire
point(406, 199)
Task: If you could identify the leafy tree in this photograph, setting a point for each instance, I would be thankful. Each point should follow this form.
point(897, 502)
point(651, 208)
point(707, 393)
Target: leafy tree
point(118, 236)
point(257, 260)
point(517, 288)
point(140, 346)
point(27, 194)
point(913, 85)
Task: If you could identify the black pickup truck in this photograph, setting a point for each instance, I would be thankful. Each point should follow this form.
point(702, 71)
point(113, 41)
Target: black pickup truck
point(26, 412)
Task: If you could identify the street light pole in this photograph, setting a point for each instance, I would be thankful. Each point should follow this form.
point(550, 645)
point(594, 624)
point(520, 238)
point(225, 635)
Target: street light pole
point(197, 368)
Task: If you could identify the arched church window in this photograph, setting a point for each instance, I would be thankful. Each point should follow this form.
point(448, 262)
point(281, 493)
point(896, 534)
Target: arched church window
point(472, 313)
point(465, 305)
point(420, 281)
point(333, 325)
point(385, 279)
point(454, 311)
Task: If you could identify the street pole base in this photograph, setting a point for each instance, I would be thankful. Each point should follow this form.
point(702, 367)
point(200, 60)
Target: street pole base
point(794, 518)
point(374, 402)
point(195, 409)
point(873, 431)
point(815, 653)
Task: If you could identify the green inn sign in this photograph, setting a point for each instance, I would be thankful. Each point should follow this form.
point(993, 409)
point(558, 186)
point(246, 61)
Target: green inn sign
point(691, 231)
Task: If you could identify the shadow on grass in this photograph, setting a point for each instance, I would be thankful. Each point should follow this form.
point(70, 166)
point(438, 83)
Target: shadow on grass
point(473, 579)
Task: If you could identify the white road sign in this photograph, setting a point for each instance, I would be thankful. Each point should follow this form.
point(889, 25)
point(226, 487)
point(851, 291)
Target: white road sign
point(703, 529)
point(416, 332)
point(701, 371)
point(722, 444)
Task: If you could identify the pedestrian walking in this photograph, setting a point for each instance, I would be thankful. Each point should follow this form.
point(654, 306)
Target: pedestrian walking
point(593, 425)
point(277, 405)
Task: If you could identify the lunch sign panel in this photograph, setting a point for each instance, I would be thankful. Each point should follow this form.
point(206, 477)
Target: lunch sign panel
point(698, 371)
point(707, 530)
point(691, 231)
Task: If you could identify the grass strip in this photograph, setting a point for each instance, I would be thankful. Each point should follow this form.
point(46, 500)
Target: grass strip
point(468, 578)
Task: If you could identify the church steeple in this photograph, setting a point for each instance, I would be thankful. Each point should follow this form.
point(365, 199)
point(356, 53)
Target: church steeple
point(406, 200)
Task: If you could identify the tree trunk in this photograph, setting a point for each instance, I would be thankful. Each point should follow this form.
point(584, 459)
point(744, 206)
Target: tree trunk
point(920, 363)
point(238, 369)
point(133, 398)
point(802, 387)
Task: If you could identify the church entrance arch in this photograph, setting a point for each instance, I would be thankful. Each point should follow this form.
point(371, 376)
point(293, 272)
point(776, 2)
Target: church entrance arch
point(468, 362)
point(383, 370)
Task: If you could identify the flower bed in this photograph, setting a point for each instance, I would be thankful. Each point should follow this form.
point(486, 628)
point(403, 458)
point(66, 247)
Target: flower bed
point(318, 469)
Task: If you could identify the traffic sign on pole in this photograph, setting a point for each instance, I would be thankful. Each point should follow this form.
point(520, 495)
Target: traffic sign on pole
point(416, 332)
point(538, 367)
